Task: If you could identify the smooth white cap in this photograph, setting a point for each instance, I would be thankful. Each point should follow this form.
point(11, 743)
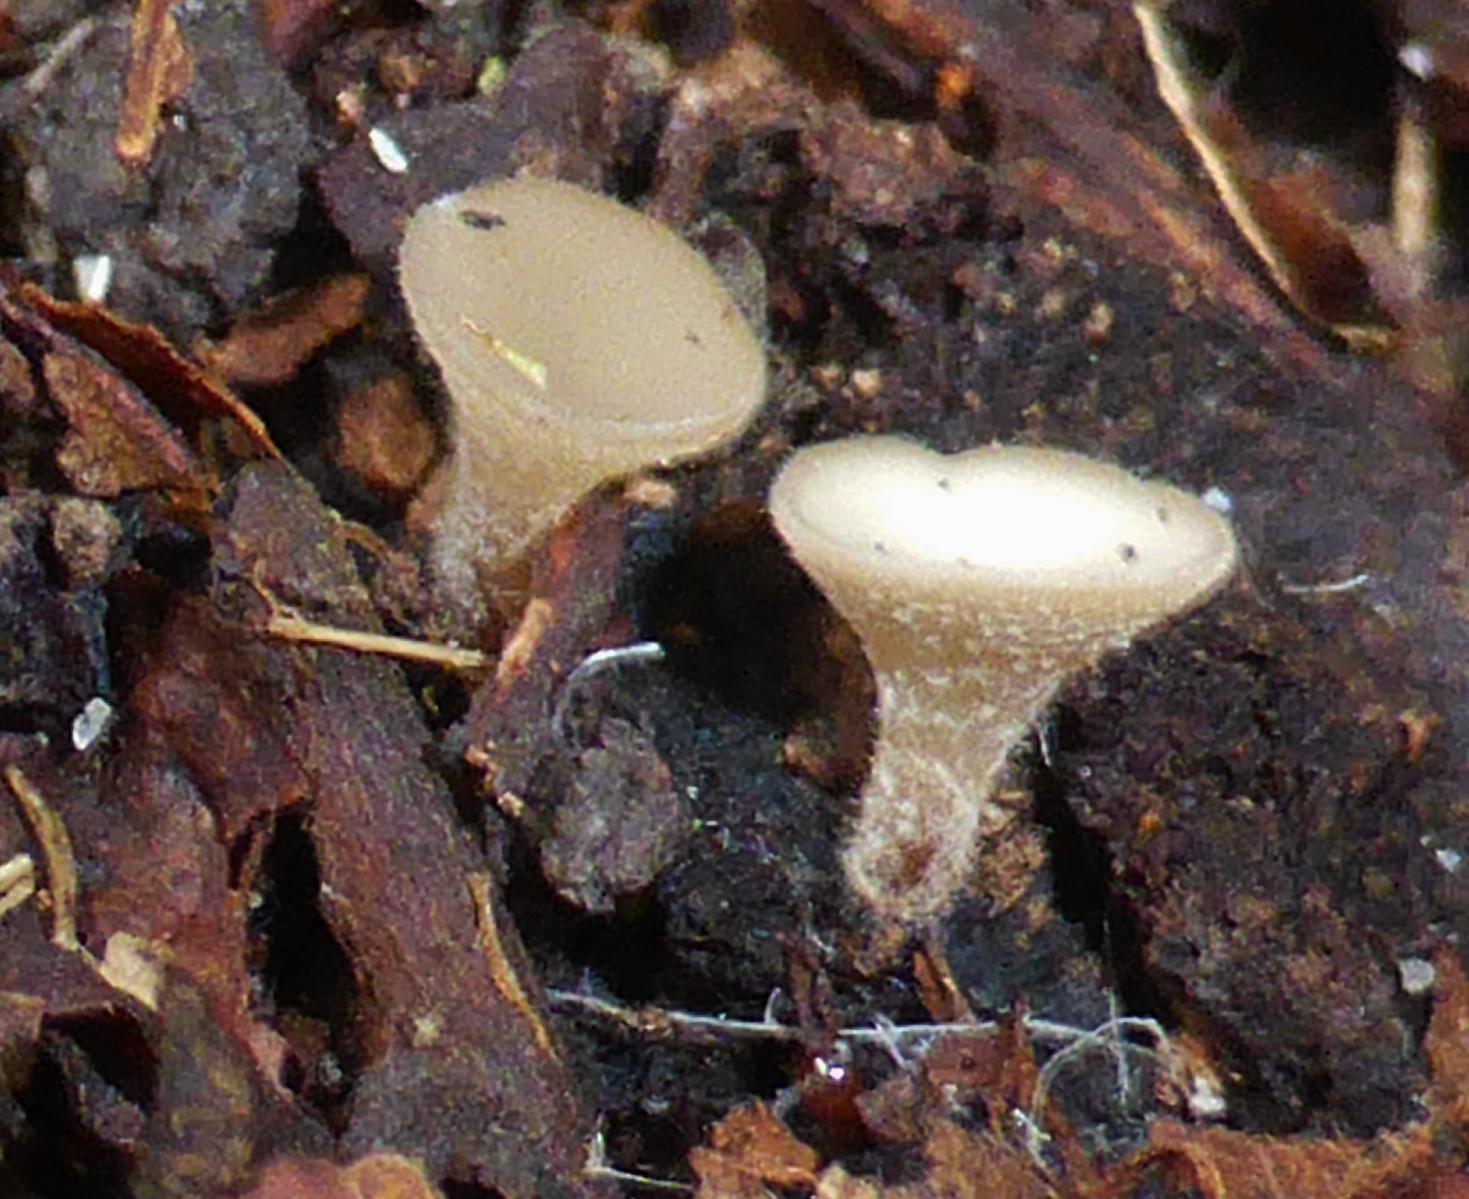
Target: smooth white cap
point(1036, 544)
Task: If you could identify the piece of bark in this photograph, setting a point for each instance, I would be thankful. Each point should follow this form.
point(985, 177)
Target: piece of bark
point(117, 441)
point(383, 436)
point(510, 726)
point(159, 71)
point(617, 821)
point(463, 1071)
point(269, 345)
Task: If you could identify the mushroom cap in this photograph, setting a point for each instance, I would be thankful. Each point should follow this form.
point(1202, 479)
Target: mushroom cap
point(591, 330)
point(1039, 548)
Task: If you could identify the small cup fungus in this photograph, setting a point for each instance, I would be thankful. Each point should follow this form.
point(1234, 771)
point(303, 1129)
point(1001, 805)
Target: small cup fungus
point(977, 583)
point(579, 341)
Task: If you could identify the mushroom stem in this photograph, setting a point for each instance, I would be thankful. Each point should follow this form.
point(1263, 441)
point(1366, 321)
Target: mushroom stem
point(943, 736)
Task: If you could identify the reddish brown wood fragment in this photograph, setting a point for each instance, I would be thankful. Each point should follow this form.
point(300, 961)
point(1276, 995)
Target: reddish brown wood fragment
point(1447, 1043)
point(294, 28)
point(509, 724)
point(184, 393)
point(448, 1055)
point(214, 698)
point(1286, 215)
point(1220, 1163)
point(117, 441)
point(271, 344)
point(383, 436)
point(376, 1176)
point(1074, 149)
point(160, 70)
point(749, 1150)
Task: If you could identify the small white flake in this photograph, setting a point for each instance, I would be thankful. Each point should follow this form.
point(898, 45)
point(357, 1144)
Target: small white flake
point(1449, 859)
point(1417, 974)
point(92, 274)
point(91, 723)
point(388, 152)
point(1205, 1100)
point(1218, 499)
point(1417, 59)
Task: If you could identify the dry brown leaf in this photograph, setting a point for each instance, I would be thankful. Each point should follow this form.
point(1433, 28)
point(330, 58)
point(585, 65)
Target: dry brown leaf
point(117, 441)
point(182, 392)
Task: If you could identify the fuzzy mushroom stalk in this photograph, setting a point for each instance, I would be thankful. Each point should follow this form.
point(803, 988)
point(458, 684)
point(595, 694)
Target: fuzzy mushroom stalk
point(579, 341)
point(977, 583)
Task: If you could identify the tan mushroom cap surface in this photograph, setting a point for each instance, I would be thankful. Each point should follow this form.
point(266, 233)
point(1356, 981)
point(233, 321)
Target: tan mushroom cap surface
point(579, 340)
point(1039, 543)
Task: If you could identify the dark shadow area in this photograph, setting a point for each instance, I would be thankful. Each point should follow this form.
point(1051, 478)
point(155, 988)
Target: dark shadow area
point(738, 617)
point(305, 976)
point(84, 1097)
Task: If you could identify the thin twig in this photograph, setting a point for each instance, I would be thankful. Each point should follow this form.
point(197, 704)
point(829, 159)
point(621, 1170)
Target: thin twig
point(61, 870)
point(450, 657)
point(669, 1022)
point(59, 55)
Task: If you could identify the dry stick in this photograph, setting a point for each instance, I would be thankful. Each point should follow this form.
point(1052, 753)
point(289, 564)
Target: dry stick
point(61, 869)
point(451, 657)
point(61, 53)
point(287, 625)
point(502, 973)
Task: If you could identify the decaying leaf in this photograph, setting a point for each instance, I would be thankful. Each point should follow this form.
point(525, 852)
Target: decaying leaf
point(183, 393)
point(117, 441)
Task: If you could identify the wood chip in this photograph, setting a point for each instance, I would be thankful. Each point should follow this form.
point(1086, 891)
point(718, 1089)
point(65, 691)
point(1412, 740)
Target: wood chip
point(160, 69)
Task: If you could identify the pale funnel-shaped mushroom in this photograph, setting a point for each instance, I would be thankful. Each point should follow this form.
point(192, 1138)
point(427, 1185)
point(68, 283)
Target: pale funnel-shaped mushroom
point(579, 341)
point(977, 583)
